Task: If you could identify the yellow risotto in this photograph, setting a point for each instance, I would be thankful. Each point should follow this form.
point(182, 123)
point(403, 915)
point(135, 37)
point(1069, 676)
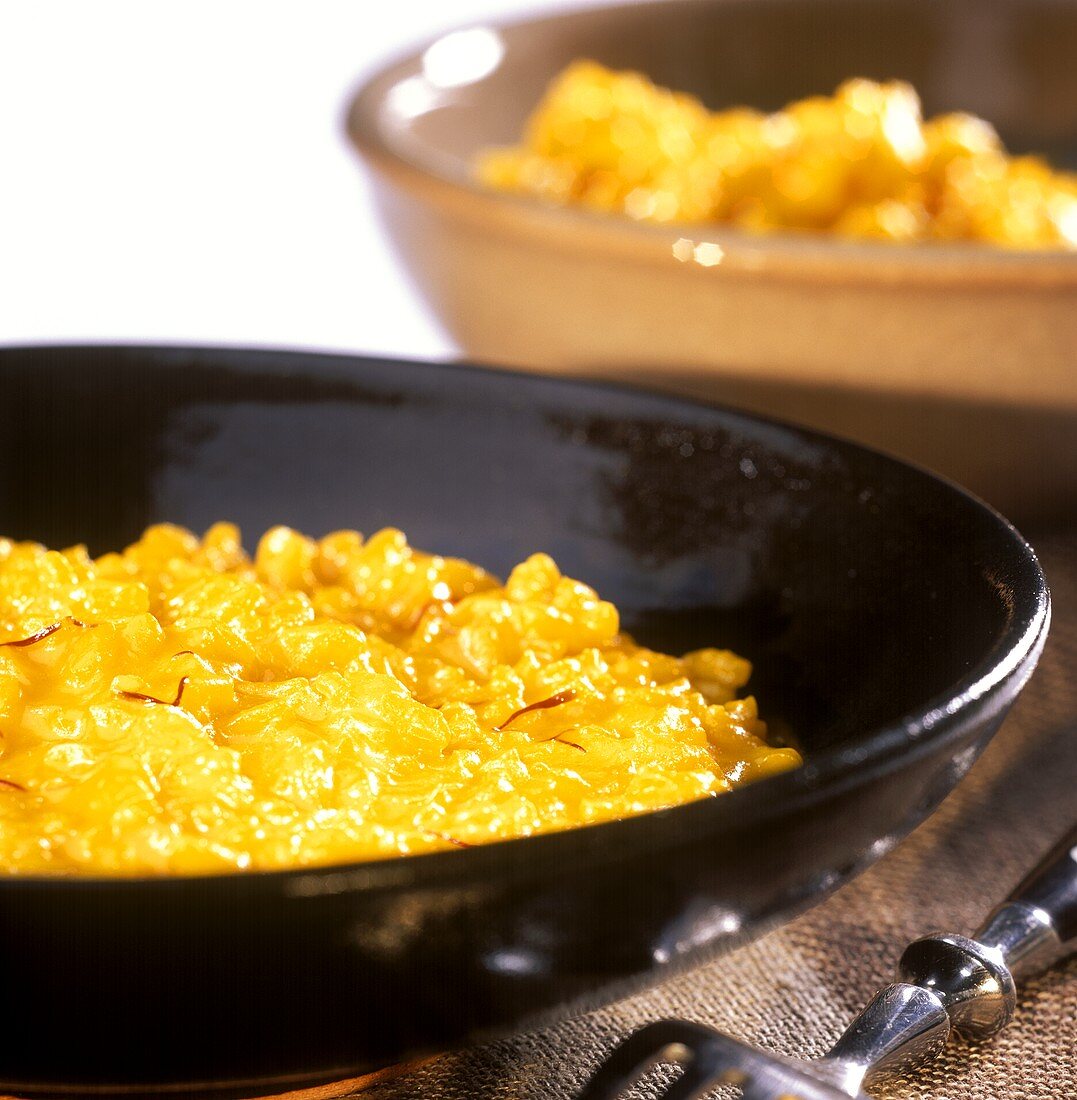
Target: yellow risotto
point(179, 707)
point(862, 163)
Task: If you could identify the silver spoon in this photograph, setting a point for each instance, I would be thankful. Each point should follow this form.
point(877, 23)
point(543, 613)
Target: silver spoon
point(945, 982)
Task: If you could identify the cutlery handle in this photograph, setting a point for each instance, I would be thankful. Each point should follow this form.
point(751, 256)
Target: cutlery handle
point(1034, 927)
point(944, 982)
point(964, 983)
point(1045, 899)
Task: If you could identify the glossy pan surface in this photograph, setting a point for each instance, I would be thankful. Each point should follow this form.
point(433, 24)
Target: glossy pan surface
point(892, 619)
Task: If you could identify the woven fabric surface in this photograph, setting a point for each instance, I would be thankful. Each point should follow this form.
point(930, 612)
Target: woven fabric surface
point(794, 990)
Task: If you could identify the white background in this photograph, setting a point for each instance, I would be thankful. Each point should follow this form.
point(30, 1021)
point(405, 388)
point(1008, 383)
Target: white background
point(178, 172)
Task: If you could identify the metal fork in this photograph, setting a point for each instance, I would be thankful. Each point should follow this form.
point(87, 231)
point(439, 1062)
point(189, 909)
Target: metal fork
point(945, 983)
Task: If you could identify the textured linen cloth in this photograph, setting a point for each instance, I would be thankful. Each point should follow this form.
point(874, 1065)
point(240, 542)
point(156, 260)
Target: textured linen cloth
point(794, 990)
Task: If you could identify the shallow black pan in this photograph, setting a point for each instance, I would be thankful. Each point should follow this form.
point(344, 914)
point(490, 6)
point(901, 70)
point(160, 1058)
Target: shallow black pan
point(892, 620)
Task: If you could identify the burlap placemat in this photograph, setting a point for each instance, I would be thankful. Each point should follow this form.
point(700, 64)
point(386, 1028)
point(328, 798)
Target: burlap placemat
point(794, 990)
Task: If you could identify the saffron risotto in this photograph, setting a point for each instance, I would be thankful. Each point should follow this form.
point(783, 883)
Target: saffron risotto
point(861, 163)
point(181, 708)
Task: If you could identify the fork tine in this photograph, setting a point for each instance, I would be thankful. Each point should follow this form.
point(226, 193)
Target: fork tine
point(756, 1089)
point(634, 1056)
point(679, 1042)
point(709, 1059)
point(698, 1079)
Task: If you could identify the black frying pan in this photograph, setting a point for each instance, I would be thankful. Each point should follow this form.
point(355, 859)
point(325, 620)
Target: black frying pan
point(892, 620)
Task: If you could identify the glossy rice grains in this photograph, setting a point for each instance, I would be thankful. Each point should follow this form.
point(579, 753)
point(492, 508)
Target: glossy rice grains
point(180, 708)
point(860, 163)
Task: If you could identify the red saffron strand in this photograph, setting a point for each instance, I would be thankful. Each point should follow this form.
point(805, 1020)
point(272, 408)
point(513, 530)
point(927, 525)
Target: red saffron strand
point(542, 704)
point(137, 695)
point(448, 839)
point(44, 632)
point(40, 636)
point(563, 739)
point(12, 784)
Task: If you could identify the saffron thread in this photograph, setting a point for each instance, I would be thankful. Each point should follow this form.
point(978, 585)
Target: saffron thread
point(542, 704)
point(448, 839)
point(44, 632)
point(137, 695)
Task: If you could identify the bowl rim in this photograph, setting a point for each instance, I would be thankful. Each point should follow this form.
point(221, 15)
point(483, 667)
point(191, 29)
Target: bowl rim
point(784, 255)
point(943, 718)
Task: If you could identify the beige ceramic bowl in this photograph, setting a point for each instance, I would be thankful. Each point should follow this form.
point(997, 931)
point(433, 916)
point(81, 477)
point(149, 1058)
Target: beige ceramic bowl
point(962, 357)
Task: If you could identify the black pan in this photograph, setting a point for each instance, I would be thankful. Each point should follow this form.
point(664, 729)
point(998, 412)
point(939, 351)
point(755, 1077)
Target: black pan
point(891, 617)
